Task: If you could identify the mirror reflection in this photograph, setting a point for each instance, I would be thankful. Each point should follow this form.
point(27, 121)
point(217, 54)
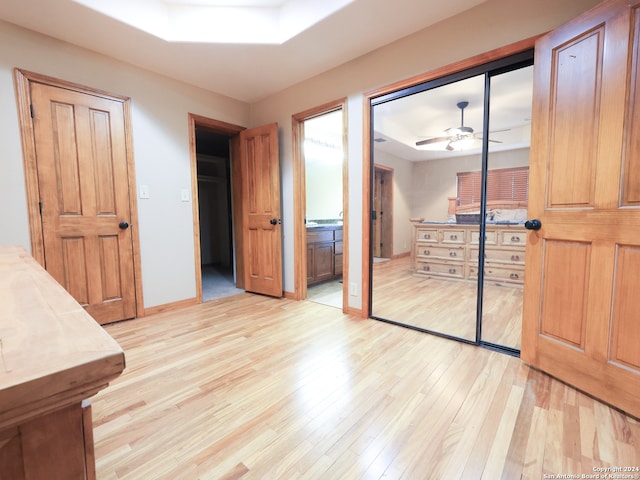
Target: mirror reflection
point(507, 200)
point(426, 218)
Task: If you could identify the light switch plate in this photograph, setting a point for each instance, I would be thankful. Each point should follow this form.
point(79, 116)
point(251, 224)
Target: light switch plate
point(144, 191)
point(184, 195)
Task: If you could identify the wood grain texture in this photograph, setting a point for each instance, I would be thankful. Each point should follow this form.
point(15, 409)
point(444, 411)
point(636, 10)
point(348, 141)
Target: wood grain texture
point(261, 217)
point(53, 353)
point(97, 134)
point(577, 301)
point(253, 387)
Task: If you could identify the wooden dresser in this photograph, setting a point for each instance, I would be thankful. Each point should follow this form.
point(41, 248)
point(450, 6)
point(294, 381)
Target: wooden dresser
point(324, 253)
point(446, 250)
point(53, 358)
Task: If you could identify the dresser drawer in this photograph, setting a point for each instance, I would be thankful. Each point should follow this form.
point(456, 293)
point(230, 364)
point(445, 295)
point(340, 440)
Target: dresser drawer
point(437, 251)
point(512, 237)
point(490, 238)
point(451, 235)
point(440, 269)
point(499, 255)
point(500, 274)
point(427, 235)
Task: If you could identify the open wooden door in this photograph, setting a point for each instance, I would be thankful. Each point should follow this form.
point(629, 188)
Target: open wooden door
point(581, 320)
point(84, 197)
point(262, 233)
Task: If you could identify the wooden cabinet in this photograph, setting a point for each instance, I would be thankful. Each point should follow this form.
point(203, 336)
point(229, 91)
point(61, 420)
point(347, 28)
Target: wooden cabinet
point(54, 357)
point(324, 254)
point(451, 251)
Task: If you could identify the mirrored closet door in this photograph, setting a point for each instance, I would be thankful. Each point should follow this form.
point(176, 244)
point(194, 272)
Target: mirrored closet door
point(456, 151)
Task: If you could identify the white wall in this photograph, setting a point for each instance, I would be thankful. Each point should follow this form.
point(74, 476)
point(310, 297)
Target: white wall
point(491, 25)
point(161, 150)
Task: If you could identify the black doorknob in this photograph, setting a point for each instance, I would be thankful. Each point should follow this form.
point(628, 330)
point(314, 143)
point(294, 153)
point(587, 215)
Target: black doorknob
point(123, 225)
point(534, 224)
point(273, 221)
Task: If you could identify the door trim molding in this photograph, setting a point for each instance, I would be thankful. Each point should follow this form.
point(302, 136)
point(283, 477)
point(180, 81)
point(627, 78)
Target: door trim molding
point(232, 131)
point(367, 171)
point(299, 199)
point(23, 79)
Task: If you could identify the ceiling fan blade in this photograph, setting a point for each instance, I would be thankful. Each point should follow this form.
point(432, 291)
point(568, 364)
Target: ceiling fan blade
point(429, 141)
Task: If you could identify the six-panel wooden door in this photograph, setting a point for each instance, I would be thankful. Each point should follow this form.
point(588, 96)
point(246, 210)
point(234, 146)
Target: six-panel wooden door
point(83, 183)
point(262, 238)
point(581, 319)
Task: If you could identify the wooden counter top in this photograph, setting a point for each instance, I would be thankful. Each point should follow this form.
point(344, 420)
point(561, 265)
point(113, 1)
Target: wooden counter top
point(52, 353)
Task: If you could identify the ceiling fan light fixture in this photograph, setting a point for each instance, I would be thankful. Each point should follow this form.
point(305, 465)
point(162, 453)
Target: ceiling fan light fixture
point(454, 138)
point(463, 142)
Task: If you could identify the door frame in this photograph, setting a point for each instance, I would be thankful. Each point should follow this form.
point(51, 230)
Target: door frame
point(367, 151)
point(299, 199)
point(23, 79)
point(232, 132)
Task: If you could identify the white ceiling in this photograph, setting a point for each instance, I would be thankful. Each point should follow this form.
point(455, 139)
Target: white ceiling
point(247, 72)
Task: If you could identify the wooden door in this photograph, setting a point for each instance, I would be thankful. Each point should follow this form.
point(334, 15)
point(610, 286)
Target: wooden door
point(582, 302)
point(377, 217)
point(383, 206)
point(82, 172)
point(262, 236)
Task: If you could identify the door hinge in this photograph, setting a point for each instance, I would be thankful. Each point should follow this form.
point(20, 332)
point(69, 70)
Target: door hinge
point(31, 109)
point(40, 207)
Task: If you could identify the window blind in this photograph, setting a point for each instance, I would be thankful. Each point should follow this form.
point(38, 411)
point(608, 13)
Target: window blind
point(502, 184)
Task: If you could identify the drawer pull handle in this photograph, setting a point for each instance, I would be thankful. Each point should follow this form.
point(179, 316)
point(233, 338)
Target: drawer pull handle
point(453, 237)
point(427, 252)
point(515, 258)
point(453, 254)
point(427, 236)
point(452, 271)
point(515, 239)
point(514, 276)
point(426, 268)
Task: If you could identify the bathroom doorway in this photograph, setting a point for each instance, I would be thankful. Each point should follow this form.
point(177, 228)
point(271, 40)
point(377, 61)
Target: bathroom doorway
point(320, 208)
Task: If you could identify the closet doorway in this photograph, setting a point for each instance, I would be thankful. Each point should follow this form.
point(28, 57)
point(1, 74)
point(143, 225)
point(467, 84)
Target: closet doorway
point(212, 145)
point(459, 149)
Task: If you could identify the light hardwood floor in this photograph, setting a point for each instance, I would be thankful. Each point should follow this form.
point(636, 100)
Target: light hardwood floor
point(446, 306)
point(253, 387)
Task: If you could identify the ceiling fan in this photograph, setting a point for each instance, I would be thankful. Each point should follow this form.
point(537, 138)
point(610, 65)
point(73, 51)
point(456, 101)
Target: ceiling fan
point(457, 138)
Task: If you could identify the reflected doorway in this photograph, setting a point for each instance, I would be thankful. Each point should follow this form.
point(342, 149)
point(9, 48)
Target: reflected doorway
point(459, 146)
point(382, 214)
